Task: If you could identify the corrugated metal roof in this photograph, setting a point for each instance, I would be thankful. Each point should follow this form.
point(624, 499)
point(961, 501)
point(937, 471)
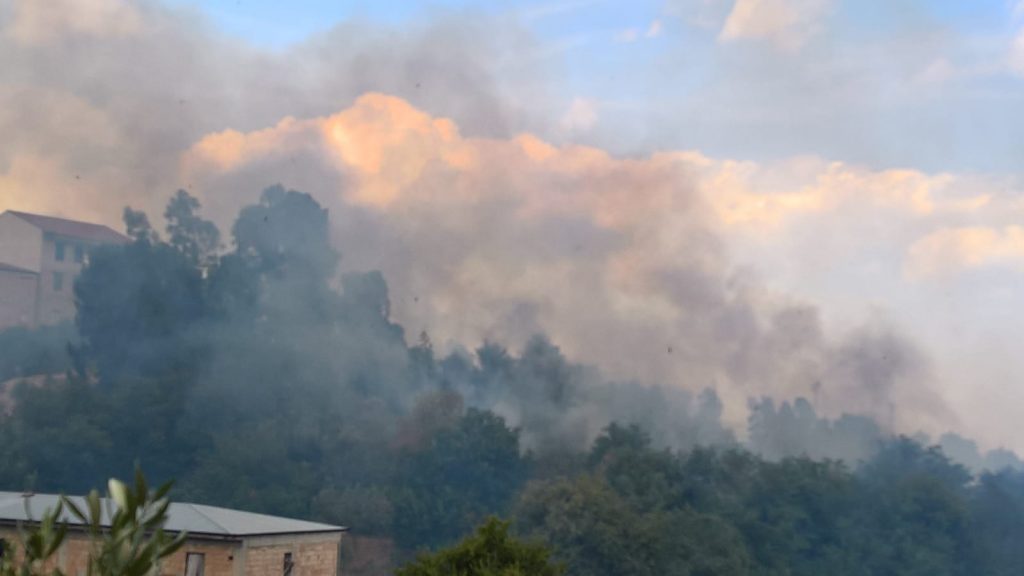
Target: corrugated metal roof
point(12, 268)
point(72, 228)
point(195, 519)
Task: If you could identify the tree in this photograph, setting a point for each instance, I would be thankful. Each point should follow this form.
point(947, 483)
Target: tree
point(287, 231)
point(282, 266)
point(137, 225)
point(491, 551)
point(591, 529)
point(911, 514)
point(795, 516)
point(196, 239)
point(997, 518)
point(598, 532)
point(43, 350)
point(136, 304)
point(648, 479)
point(464, 474)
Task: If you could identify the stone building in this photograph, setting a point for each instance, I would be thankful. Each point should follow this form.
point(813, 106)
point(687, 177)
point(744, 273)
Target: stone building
point(40, 257)
point(221, 542)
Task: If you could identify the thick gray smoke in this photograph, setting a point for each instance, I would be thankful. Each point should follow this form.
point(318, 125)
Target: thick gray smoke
point(100, 98)
point(478, 234)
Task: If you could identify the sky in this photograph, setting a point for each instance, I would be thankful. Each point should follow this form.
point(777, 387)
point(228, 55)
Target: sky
point(792, 197)
point(905, 83)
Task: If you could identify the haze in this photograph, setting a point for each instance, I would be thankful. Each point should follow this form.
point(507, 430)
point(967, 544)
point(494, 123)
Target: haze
point(788, 198)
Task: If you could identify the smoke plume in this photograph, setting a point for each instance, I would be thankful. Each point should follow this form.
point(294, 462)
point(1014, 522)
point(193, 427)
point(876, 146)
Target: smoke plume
point(437, 172)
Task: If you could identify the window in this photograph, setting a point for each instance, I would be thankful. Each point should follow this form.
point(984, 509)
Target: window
point(58, 281)
point(194, 564)
point(58, 253)
point(288, 564)
point(79, 253)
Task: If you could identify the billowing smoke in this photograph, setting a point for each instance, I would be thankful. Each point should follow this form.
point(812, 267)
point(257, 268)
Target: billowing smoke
point(437, 174)
point(100, 98)
point(620, 261)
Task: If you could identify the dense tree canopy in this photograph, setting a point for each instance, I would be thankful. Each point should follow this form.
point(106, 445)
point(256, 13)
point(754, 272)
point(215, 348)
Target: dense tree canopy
point(261, 378)
point(491, 551)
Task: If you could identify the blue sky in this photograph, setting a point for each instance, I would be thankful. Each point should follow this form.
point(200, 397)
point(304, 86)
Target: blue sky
point(885, 83)
point(277, 24)
point(581, 33)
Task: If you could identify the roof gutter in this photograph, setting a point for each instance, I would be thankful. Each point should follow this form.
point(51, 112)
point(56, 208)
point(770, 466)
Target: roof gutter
point(78, 527)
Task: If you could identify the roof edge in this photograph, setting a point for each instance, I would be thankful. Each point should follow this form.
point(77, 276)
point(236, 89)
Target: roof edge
point(44, 223)
point(78, 526)
point(5, 267)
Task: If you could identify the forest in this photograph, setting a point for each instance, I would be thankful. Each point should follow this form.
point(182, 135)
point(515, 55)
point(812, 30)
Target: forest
point(247, 369)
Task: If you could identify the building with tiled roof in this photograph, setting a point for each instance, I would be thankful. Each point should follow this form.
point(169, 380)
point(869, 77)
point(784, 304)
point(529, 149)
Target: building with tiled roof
point(40, 257)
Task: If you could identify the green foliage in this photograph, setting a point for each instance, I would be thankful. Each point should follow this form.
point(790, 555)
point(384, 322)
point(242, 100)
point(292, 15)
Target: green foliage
point(196, 239)
point(589, 526)
point(136, 224)
point(37, 545)
point(464, 474)
point(136, 305)
point(997, 522)
point(491, 551)
point(28, 352)
point(914, 508)
point(597, 532)
point(286, 234)
point(367, 507)
point(264, 381)
point(132, 543)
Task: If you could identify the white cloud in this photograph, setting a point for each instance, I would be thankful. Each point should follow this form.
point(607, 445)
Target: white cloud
point(786, 23)
point(558, 7)
point(706, 14)
point(627, 36)
point(633, 33)
point(1016, 59)
point(951, 250)
point(939, 71)
point(654, 30)
point(581, 115)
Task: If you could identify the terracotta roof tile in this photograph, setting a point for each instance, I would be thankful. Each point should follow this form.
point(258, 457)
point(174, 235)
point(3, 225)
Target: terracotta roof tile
point(72, 228)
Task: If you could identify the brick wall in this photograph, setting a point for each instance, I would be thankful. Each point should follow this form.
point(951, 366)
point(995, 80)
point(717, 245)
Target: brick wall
point(73, 556)
point(312, 555)
point(219, 558)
